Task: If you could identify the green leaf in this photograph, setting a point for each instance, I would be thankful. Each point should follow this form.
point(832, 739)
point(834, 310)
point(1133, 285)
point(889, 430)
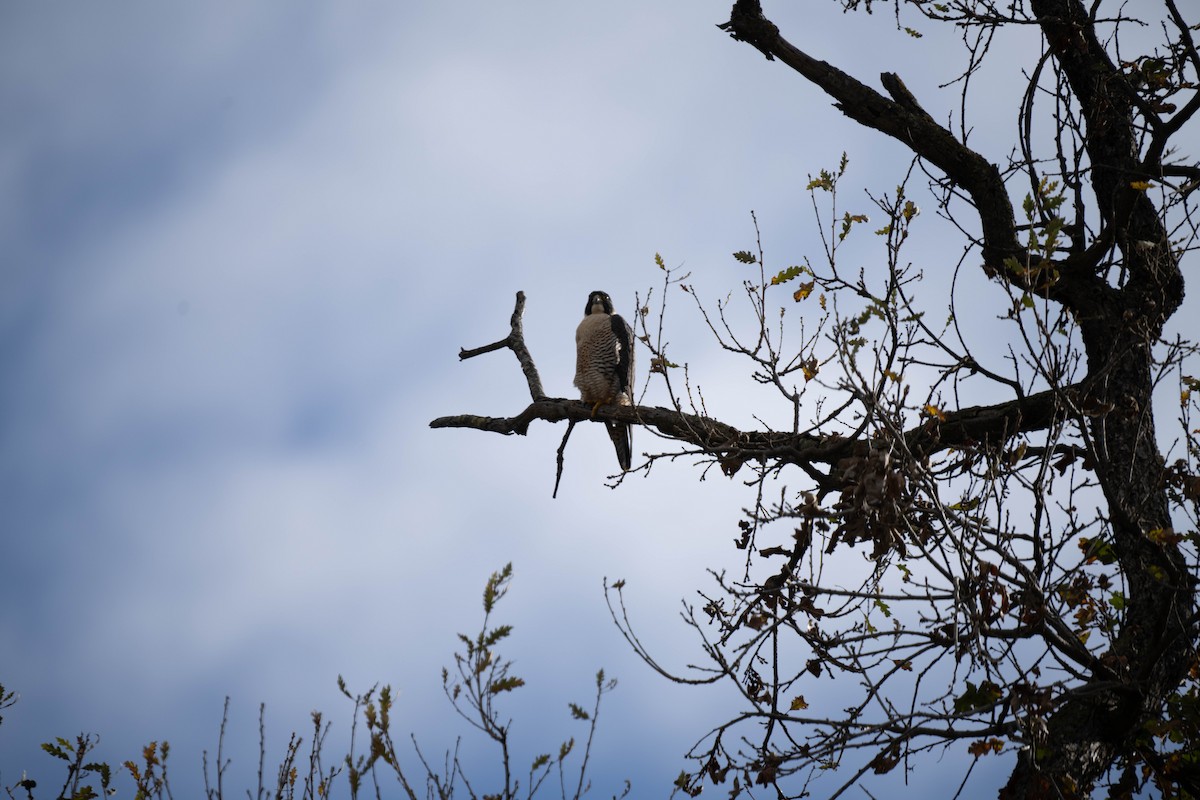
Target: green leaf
point(103, 769)
point(59, 750)
point(848, 221)
point(577, 712)
point(788, 274)
point(660, 365)
point(745, 257)
point(505, 685)
point(496, 588)
point(979, 697)
point(496, 635)
point(824, 181)
point(1097, 550)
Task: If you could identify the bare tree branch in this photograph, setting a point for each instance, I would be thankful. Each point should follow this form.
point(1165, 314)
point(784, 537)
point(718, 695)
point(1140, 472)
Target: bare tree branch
point(515, 341)
point(902, 119)
point(1028, 583)
point(994, 424)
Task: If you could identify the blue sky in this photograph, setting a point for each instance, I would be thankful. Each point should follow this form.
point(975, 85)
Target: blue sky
point(242, 245)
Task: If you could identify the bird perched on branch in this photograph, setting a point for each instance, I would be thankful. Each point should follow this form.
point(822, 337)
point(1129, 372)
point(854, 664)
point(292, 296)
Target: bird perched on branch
point(604, 367)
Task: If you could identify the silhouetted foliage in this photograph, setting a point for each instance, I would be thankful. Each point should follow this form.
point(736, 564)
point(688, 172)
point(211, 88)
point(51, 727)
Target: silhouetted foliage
point(483, 677)
point(994, 540)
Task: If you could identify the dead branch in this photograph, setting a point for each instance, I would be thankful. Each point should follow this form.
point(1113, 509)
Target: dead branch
point(515, 341)
point(733, 447)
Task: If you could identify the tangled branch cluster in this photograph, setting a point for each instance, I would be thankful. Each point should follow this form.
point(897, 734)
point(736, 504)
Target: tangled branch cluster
point(1030, 562)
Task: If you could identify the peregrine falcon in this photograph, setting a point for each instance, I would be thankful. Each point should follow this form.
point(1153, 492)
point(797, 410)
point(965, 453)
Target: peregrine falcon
point(604, 366)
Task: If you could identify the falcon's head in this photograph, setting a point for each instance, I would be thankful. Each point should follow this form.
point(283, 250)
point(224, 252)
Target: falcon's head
point(598, 303)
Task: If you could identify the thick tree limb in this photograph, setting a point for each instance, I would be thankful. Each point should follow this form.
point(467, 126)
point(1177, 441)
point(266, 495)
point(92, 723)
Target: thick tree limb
point(905, 120)
point(993, 424)
point(704, 433)
point(1119, 325)
point(902, 119)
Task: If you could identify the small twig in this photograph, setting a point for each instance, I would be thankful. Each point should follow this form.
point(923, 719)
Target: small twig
point(515, 341)
point(262, 749)
point(219, 792)
point(561, 449)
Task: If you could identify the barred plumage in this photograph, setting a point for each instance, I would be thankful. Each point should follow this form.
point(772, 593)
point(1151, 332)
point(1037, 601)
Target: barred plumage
point(604, 366)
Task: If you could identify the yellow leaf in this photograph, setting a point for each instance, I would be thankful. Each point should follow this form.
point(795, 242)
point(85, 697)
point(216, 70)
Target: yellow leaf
point(966, 504)
point(803, 292)
point(1141, 186)
point(799, 704)
point(935, 412)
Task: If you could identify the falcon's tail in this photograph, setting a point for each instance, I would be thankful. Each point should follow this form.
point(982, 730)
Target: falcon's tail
point(621, 434)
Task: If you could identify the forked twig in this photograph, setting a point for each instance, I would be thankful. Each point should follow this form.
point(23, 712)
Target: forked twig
point(515, 341)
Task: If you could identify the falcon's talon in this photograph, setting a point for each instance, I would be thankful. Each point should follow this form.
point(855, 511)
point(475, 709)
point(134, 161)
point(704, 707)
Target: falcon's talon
point(604, 367)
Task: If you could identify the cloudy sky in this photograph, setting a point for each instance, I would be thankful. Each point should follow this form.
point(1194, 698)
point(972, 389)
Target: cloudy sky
point(241, 245)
